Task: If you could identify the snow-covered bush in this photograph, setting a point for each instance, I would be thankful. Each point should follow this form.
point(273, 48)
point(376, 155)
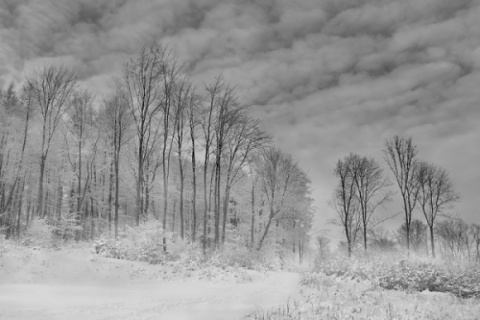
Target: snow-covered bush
point(38, 234)
point(407, 273)
point(235, 256)
point(142, 243)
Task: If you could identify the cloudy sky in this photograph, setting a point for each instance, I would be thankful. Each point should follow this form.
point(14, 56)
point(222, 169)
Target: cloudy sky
point(327, 77)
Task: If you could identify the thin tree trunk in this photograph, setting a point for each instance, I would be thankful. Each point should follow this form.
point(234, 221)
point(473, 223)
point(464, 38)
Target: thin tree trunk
point(117, 167)
point(40, 186)
point(110, 192)
point(262, 239)
point(182, 178)
point(139, 183)
point(252, 229)
point(432, 241)
point(194, 195)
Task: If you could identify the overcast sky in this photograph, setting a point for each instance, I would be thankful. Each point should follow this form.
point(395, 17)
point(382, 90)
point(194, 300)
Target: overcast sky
point(327, 77)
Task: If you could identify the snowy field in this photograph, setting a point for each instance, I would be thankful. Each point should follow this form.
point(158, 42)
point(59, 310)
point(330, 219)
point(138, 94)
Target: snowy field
point(75, 284)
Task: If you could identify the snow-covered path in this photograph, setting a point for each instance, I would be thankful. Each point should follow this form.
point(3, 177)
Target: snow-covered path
point(145, 300)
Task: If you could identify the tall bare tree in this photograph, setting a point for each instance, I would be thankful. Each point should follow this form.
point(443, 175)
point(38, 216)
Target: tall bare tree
point(227, 113)
point(51, 88)
point(401, 157)
point(371, 189)
point(80, 125)
point(193, 119)
point(345, 201)
point(117, 120)
point(243, 140)
point(143, 77)
point(436, 194)
point(183, 96)
point(281, 181)
point(170, 85)
point(207, 123)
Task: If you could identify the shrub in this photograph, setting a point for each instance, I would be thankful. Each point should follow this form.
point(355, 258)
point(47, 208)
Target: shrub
point(38, 234)
point(407, 274)
point(142, 243)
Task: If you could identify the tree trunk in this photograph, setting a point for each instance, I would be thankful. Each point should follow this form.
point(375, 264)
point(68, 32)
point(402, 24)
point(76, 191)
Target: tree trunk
point(139, 183)
point(365, 237)
point(40, 186)
point(432, 241)
point(117, 165)
point(194, 196)
point(262, 239)
point(112, 171)
point(252, 229)
point(182, 178)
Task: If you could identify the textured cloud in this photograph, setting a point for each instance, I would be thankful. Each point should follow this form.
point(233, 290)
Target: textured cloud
point(327, 76)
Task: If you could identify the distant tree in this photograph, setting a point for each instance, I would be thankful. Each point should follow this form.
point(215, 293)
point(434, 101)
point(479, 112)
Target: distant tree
point(417, 234)
point(436, 194)
point(380, 239)
point(475, 231)
point(345, 202)
point(371, 189)
point(323, 246)
point(51, 89)
point(282, 182)
point(454, 236)
point(401, 157)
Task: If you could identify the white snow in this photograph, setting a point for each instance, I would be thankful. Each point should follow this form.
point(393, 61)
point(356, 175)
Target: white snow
point(180, 300)
point(74, 285)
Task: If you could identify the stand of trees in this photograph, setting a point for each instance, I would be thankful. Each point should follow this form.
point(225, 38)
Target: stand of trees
point(91, 165)
point(362, 187)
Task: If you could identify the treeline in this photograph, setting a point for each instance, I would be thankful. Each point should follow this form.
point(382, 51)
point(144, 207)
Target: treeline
point(422, 187)
point(157, 147)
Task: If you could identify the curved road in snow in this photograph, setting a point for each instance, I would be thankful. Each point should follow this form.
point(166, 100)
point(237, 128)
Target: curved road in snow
point(179, 300)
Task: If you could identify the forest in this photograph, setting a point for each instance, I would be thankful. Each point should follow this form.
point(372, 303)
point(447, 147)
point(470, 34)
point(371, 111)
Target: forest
point(185, 161)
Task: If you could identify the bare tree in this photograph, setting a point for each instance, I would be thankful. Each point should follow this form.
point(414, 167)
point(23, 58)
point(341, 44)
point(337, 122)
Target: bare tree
point(51, 88)
point(170, 85)
point(183, 98)
point(381, 240)
point(418, 235)
point(143, 78)
point(436, 194)
point(345, 202)
point(207, 123)
point(401, 157)
point(371, 188)
point(282, 181)
point(475, 231)
point(243, 140)
point(117, 120)
point(193, 121)
point(80, 124)
point(454, 236)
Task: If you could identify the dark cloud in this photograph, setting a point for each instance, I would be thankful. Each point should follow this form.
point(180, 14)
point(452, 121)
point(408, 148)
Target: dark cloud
point(327, 76)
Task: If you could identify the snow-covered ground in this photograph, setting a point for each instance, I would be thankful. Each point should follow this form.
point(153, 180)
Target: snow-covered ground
point(145, 300)
point(78, 285)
